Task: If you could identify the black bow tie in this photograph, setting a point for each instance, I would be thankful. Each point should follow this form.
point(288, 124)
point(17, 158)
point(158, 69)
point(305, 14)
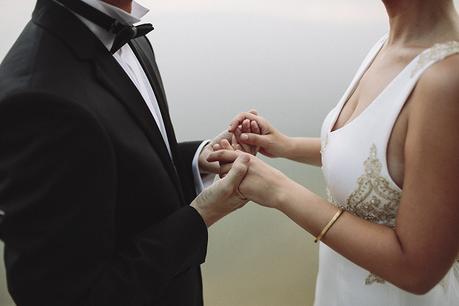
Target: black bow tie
point(124, 33)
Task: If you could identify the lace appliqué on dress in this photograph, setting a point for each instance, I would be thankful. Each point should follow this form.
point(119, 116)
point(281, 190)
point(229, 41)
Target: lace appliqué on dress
point(434, 54)
point(372, 278)
point(374, 199)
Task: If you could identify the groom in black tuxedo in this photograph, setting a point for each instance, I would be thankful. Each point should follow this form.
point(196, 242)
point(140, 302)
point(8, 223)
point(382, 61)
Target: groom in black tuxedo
point(95, 191)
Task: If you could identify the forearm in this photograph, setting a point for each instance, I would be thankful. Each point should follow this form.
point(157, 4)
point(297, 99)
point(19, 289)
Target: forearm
point(304, 150)
point(376, 248)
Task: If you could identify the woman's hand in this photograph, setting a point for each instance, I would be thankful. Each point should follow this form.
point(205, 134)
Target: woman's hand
point(262, 184)
point(270, 141)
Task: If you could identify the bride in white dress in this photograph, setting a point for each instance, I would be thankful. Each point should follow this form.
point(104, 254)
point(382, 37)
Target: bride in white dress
point(389, 152)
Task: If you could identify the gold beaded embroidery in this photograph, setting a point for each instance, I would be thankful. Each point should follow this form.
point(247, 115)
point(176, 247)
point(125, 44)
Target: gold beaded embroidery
point(374, 200)
point(372, 278)
point(434, 54)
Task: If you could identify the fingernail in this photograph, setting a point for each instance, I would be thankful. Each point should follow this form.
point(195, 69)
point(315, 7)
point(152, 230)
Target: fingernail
point(244, 137)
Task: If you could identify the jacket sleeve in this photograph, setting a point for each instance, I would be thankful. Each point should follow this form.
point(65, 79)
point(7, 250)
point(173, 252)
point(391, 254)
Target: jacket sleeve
point(58, 186)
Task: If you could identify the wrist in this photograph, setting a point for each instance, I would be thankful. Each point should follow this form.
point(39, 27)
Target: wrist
point(282, 192)
point(295, 149)
point(210, 206)
point(288, 146)
point(209, 216)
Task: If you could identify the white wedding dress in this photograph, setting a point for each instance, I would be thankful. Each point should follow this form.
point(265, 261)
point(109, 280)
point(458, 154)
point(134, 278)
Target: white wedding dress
point(357, 178)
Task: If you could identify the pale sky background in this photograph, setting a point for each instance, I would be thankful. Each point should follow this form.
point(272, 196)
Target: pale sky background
point(291, 60)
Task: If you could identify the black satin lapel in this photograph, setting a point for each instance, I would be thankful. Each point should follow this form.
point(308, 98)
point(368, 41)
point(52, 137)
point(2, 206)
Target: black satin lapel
point(154, 77)
point(149, 65)
point(112, 75)
point(152, 72)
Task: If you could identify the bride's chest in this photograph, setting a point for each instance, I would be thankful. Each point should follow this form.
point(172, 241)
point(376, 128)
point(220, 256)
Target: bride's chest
point(355, 164)
point(366, 93)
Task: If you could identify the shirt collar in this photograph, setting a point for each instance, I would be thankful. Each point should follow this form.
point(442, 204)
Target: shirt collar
point(107, 38)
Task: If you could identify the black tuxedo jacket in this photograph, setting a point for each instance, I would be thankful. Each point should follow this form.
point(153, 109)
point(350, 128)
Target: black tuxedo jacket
point(95, 210)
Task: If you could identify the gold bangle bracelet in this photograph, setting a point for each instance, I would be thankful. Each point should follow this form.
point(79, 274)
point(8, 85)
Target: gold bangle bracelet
point(329, 225)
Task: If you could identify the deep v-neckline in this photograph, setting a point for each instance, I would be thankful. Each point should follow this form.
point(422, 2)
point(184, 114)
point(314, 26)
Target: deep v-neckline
point(331, 129)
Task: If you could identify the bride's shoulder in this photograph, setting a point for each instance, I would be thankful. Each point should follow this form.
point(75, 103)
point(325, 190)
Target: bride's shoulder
point(435, 99)
point(447, 66)
point(440, 82)
point(433, 112)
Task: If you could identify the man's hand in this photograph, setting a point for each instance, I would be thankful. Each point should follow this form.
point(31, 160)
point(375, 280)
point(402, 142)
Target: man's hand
point(223, 197)
point(207, 167)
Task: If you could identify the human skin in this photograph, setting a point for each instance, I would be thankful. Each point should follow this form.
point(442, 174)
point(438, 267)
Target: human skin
point(122, 4)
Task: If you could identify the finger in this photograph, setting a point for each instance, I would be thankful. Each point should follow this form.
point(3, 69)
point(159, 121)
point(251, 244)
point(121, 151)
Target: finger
point(239, 118)
point(235, 144)
point(247, 129)
point(255, 127)
point(254, 140)
point(255, 130)
point(237, 147)
point(253, 111)
point(237, 173)
point(233, 140)
point(226, 145)
point(224, 169)
point(246, 126)
point(217, 147)
point(238, 132)
point(223, 156)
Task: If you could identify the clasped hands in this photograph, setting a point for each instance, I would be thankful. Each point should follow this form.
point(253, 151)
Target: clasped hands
point(244, 177)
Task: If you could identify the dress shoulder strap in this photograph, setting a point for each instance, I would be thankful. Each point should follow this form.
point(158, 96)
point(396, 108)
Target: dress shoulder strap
point(433, 55)
point(396, 97)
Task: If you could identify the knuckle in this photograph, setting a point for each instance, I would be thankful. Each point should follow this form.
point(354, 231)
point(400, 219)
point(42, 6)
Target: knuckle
point(238, 168)
point(227, 190)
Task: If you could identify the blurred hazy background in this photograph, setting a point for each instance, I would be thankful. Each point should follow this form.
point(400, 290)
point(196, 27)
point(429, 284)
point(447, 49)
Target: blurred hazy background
point(289, 59)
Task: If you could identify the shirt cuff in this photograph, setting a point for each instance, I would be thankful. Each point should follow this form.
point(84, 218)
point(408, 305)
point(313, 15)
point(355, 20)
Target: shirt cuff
point(201, 181)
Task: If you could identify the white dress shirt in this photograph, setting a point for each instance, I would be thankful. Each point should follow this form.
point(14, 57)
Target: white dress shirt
point(130, 64)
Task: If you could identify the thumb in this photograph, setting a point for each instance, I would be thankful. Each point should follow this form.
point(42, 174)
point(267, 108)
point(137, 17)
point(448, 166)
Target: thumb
point(254, 139)
point(238, 171)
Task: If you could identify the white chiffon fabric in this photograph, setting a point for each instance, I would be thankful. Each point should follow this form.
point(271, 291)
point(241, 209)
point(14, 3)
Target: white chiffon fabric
point(358, 180)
